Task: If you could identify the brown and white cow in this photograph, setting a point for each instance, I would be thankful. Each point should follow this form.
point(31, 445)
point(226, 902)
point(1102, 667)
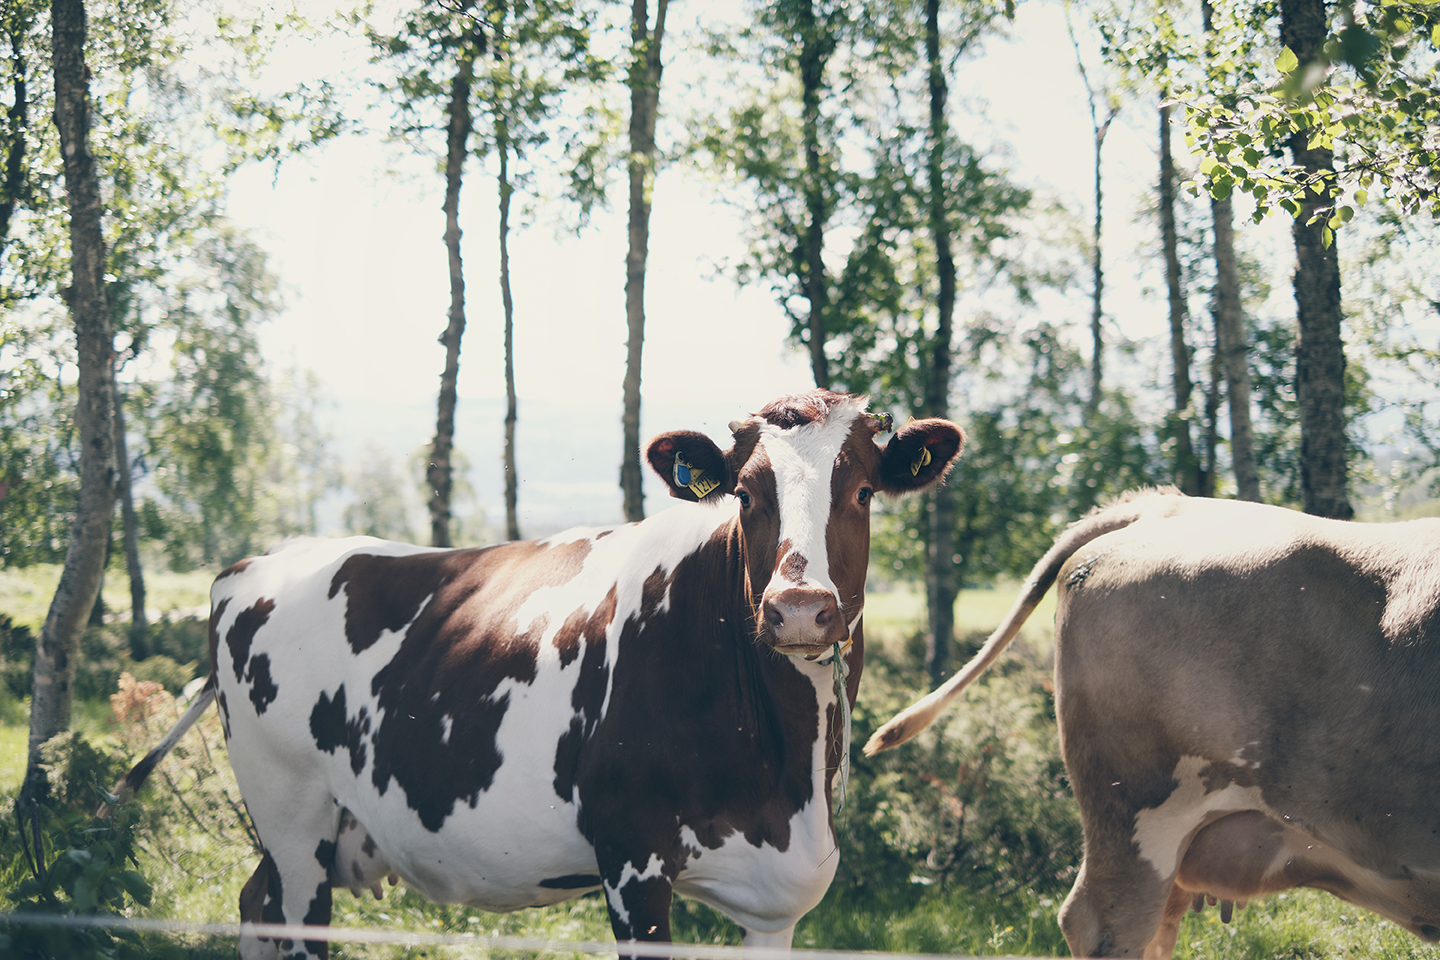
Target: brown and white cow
point(641, 709)
point(1249, 701)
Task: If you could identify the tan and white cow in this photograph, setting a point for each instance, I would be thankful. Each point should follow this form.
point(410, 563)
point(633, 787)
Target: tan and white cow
point(1249, 701)
point(641, 709)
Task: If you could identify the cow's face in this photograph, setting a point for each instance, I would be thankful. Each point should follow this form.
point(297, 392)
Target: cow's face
point(804, 471)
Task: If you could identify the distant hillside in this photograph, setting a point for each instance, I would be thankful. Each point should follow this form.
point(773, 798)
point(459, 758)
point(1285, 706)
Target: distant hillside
point(567, 451)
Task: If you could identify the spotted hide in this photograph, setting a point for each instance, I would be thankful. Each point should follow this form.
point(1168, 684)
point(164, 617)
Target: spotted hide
point(1248, 701)
point(642, 709)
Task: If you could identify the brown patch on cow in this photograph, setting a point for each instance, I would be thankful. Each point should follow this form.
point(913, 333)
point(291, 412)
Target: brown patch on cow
point(437, 695)
point(214, 632)
point(586, 699)
point(235, 568)
point(567, 638)
point(847, 531)
point(263, 689)
point(720, 731)
point(224, 706)
point(793, 568)
point(318, 913)
point(760, 522)
point(242, 633)
point(813, 406)
point(332, 727)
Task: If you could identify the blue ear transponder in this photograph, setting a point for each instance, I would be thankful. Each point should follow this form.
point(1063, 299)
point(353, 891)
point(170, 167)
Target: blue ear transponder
point(692, 477)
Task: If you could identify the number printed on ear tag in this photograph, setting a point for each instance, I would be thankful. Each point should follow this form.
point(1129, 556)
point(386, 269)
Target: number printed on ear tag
point(692, 477)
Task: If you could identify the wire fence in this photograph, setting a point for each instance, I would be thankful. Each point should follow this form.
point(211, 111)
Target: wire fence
point(465, 944)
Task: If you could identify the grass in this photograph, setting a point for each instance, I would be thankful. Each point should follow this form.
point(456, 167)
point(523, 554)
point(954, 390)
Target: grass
point(896, 613)
point(26, 592)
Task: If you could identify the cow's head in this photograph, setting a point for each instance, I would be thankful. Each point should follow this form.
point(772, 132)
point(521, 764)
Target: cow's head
point(804, 470)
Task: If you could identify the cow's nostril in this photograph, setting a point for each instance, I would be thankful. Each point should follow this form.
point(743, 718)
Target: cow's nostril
point(826, 614)
point(773, 616)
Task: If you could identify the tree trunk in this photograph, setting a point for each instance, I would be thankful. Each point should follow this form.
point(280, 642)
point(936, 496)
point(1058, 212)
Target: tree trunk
point(1230, 338)
point(1187, 465)
point(644, 105)
point(1230, 331)
point(58, 645)
point(940, 562)
point(18, 116)
point(512, 516)
point(1212, 428)
point(439, 471)
point(139, 625)
point(1319, 349)
point(813, 55)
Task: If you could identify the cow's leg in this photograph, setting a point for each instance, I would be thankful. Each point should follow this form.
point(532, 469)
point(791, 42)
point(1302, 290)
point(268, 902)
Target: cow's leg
point(259, 903)
point(291, 886)
point(1163, 943)
point(780, 938)
point(638, 891)
point(1117, 904)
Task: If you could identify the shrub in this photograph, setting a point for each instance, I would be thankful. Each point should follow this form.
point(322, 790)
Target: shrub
point(979, 801)
point(17, 660)
point(55, 858)
point(105, 655)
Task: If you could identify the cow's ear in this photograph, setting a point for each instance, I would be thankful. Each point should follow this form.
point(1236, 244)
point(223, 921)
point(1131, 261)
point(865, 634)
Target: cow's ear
point(691, 465)
point(920, 454)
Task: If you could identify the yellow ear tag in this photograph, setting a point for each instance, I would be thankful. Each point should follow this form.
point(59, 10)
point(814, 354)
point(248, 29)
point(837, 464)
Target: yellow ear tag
point(920, 461)
point(688, 475)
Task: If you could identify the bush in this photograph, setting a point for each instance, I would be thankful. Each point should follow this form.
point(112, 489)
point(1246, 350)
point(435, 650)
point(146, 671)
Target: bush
point(17, 660)
point(55, 858)
point(105, 655)
point(979, 801)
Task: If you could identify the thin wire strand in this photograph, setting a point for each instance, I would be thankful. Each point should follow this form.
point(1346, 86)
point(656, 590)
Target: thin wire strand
point(679, 951)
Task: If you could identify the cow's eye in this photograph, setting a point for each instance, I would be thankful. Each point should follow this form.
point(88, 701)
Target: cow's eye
point(862, 497)
point(743, 497)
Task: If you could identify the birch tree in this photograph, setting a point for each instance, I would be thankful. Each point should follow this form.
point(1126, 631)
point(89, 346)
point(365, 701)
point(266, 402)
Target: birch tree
point(59, 641)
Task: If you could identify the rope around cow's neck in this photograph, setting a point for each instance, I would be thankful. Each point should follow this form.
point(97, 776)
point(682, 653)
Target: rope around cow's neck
point(841, 672)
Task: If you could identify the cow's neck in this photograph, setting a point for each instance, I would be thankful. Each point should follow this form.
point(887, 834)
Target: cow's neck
point(770, 683)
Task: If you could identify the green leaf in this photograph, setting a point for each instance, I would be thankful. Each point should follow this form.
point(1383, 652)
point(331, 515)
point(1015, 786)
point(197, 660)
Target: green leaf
point(1435, 34)
point(136, 885)
point(1287, 61)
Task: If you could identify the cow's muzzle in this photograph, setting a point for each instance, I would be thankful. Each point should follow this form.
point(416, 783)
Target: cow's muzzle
point(803, 621)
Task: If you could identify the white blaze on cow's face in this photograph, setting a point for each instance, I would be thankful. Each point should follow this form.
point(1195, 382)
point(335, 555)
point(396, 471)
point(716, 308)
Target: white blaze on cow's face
point(787, 494)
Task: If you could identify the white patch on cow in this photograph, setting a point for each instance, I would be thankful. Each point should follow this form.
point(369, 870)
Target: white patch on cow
point(1162, 832)
point(447, 723)
point(1239, 758)
point(803, 459)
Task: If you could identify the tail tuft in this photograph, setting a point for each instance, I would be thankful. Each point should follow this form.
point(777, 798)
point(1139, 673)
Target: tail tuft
point(135, 779)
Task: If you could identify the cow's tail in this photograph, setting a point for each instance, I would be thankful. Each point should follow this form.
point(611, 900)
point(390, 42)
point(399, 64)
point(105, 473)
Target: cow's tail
point(137, 776)
point(920, 714)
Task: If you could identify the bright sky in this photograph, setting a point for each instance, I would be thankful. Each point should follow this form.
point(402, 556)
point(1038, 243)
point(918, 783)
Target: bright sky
point(363, 264)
